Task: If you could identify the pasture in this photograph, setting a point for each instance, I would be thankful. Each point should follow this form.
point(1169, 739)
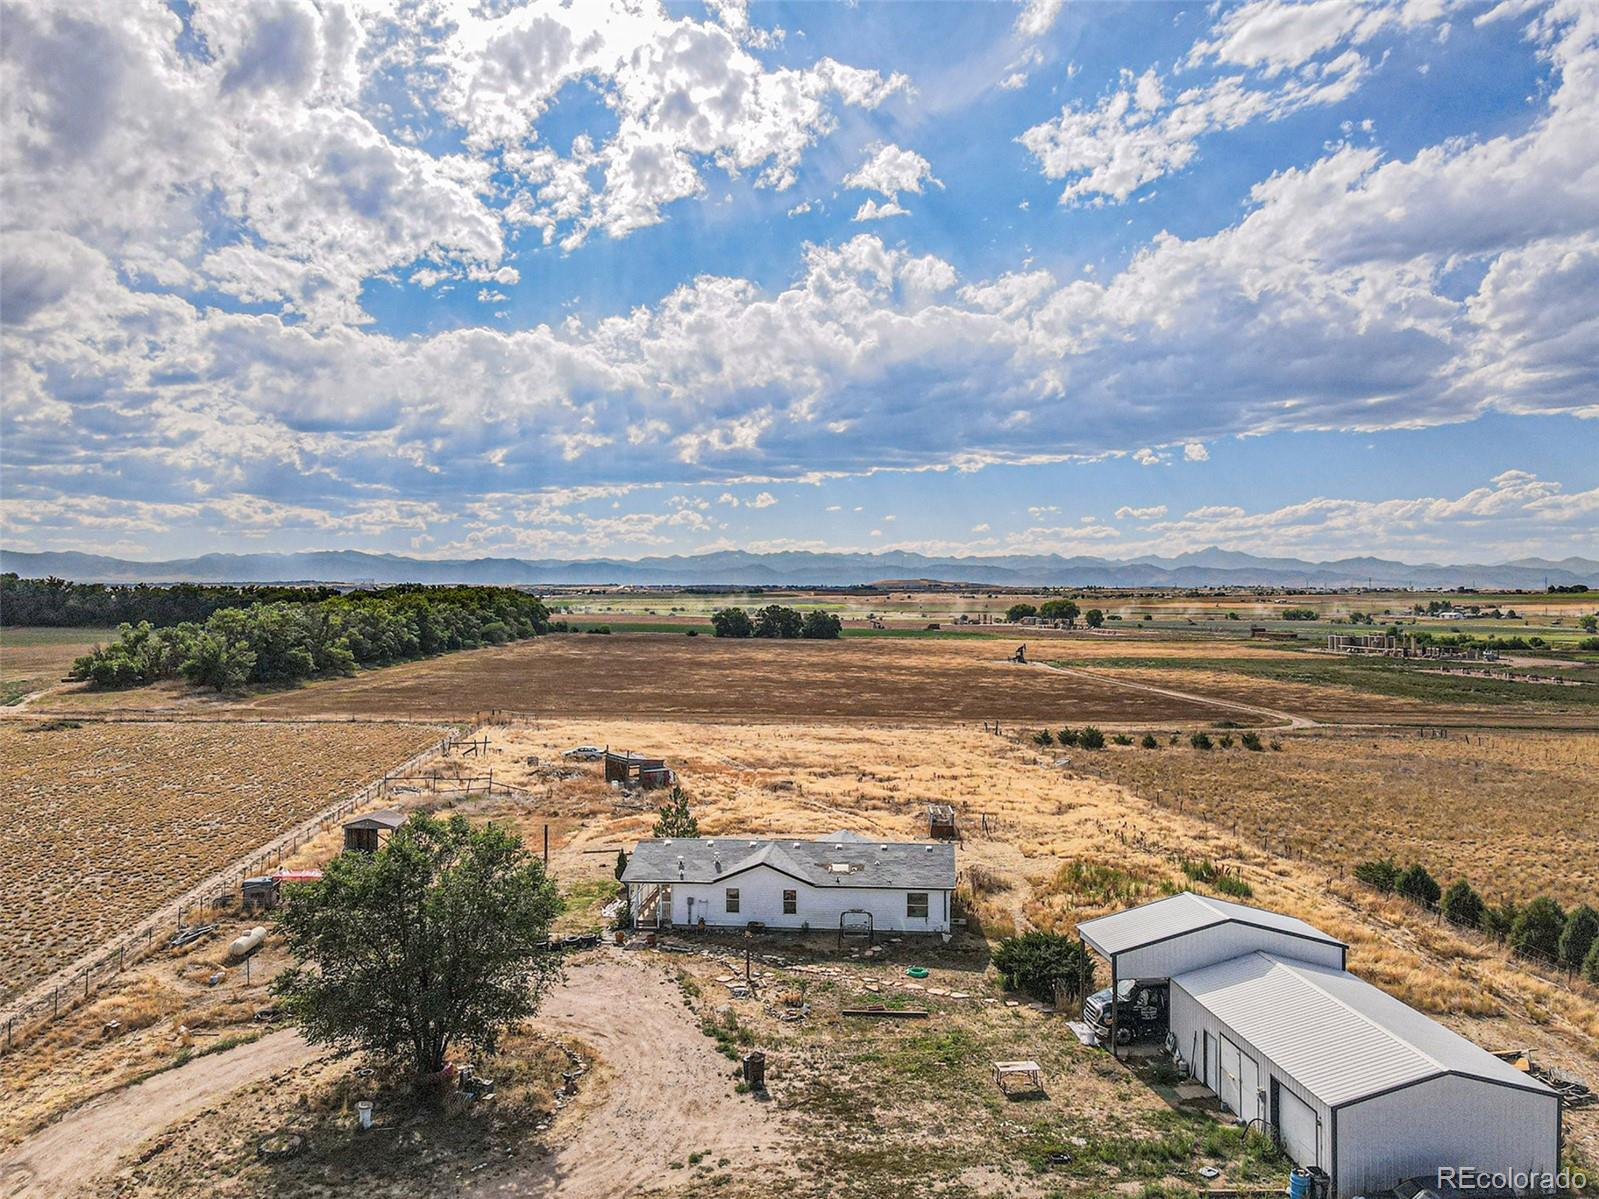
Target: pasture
point(32, 659)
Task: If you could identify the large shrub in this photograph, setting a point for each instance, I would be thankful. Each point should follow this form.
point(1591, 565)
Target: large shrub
point(1462, 904)
point(1416, 884)
point(1381, 874)
point(1036, 962)
point(1578, 936)
point(1537, 929)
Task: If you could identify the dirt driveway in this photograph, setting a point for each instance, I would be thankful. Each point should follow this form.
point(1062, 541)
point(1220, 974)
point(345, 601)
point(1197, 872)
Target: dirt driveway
point(661, 1095)
point(664, 1094)
point(66, 1158)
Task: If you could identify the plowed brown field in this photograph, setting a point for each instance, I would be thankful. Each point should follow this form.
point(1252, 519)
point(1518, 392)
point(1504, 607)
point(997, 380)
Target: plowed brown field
point(655, 675)
point(105, 822)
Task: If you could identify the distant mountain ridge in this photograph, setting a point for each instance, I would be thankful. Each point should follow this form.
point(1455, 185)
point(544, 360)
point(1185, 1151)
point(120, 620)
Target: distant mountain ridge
point(1210, 567)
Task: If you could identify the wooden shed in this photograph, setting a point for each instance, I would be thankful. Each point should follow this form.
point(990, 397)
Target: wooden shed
point(629, 768)
point(365, 833)
point(941, 822)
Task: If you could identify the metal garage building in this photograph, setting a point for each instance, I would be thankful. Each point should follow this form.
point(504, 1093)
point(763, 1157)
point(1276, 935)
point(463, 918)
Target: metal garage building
point(1346, 1077)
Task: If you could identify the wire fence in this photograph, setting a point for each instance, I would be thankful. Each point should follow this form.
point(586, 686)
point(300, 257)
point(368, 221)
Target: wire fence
point(73, 984)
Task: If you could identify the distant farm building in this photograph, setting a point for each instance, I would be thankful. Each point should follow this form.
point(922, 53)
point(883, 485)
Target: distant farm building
point(631, 769)
point(1383, 645)
point(1260, 632)
point(364, 834)
point(941, 822)
point(841, 882)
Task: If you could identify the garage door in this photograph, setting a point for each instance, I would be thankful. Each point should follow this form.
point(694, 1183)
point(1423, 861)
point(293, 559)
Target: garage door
point(1229, 1091)
point(1296, 1127)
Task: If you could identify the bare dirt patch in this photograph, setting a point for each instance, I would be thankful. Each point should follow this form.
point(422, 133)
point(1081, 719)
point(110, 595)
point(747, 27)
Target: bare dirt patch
point(108, 821)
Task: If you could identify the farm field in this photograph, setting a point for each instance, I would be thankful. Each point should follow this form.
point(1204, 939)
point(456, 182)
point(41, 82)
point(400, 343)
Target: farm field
point(107, 821)
point(656, 675)
point(1503, 810)
point(849, 1099)
point(34, 658)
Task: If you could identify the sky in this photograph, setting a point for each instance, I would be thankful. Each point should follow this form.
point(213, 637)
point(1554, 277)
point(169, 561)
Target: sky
point(546, 280)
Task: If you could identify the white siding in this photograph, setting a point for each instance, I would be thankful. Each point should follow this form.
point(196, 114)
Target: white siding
point(1206, 946)
point(1449, 1121)
point(761, 898)
point(1190, 1022)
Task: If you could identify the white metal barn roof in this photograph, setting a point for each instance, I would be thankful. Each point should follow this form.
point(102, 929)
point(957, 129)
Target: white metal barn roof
point(1185, 913)
point(1339, 1037)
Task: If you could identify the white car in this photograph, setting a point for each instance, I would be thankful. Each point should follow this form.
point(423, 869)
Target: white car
point(584, 753)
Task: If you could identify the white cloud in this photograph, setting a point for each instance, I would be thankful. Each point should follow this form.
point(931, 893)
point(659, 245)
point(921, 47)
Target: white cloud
point(1153, 513)
point(1036, 17)
point(982, 528)
point(764, 499)
point(799, 209)
point(1195, 451)
point(890, 169)
point(1148, 457)
point(873, 211)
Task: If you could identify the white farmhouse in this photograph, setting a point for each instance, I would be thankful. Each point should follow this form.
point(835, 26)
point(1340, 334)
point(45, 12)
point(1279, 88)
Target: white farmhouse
point(840, 880)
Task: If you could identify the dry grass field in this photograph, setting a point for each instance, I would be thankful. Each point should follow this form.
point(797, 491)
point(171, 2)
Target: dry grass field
point(1507, 811)
point(33, 659)
point(659, 675)
point(105, 822)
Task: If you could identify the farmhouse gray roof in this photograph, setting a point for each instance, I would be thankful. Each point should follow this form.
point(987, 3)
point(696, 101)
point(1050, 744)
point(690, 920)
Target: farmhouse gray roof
point(1339, 1037)
point(830, 862)
point(1185, 913)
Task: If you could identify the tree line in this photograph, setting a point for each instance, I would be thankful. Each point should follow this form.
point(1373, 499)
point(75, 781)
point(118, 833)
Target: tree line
point(774, 620)
point(286, 642)
point(60, 603)
point(1540, 928)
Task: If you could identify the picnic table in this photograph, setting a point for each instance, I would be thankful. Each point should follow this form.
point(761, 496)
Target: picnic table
point(1031, 1071)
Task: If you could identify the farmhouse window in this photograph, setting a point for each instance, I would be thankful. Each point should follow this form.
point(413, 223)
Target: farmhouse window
point(916, 905)
point(732, 899)
point(790, 903)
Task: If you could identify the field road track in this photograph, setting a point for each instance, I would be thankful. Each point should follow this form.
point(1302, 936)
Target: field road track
point(660, 1093)
point(1284, 719)
point(64, 1159)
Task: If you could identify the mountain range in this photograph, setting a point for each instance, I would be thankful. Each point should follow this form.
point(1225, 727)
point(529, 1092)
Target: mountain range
point(1211, 567)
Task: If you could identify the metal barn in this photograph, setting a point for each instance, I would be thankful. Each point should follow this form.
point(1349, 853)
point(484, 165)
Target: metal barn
point(1345, 1077)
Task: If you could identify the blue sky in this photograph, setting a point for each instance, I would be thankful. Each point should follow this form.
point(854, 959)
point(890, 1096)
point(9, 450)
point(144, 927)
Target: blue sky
point(459, 279)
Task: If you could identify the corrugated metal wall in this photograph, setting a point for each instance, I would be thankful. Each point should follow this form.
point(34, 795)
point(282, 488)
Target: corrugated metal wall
point(1208, 946)
point(1450, 1121)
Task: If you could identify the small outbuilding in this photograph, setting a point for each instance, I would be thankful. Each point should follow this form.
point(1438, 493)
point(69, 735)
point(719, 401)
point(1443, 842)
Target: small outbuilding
point(941, 822)
point(364, 834)
point(630, 768)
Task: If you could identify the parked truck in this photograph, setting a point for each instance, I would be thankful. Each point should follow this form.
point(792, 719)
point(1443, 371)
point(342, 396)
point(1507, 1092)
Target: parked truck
point(1142, 1011)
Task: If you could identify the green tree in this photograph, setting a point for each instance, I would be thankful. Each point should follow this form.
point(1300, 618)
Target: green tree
point(1537, 929)
point(621, 863)
point(1200, 740)
point(1590, 964)
point(675, 819)
point(821, 626)
point(436, 942)
point(732, 622)
point(1020, 611)
point(1590, 624)
point(1148, 741)
point(1068, 736)
point(1093, 618)
point(1037, 962)
point(1416, 884)
point(1091, 738)
point(1063, 610)
point(1043, 737)
point(1578, 936)
point(1462, 904)
point(1499, 919)
point(776, 621)
point(1251, 742)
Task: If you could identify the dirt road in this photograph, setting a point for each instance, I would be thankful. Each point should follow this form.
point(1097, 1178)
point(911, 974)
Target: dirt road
point(1287, 719)
point(664, 1094)
point(66, 1158)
